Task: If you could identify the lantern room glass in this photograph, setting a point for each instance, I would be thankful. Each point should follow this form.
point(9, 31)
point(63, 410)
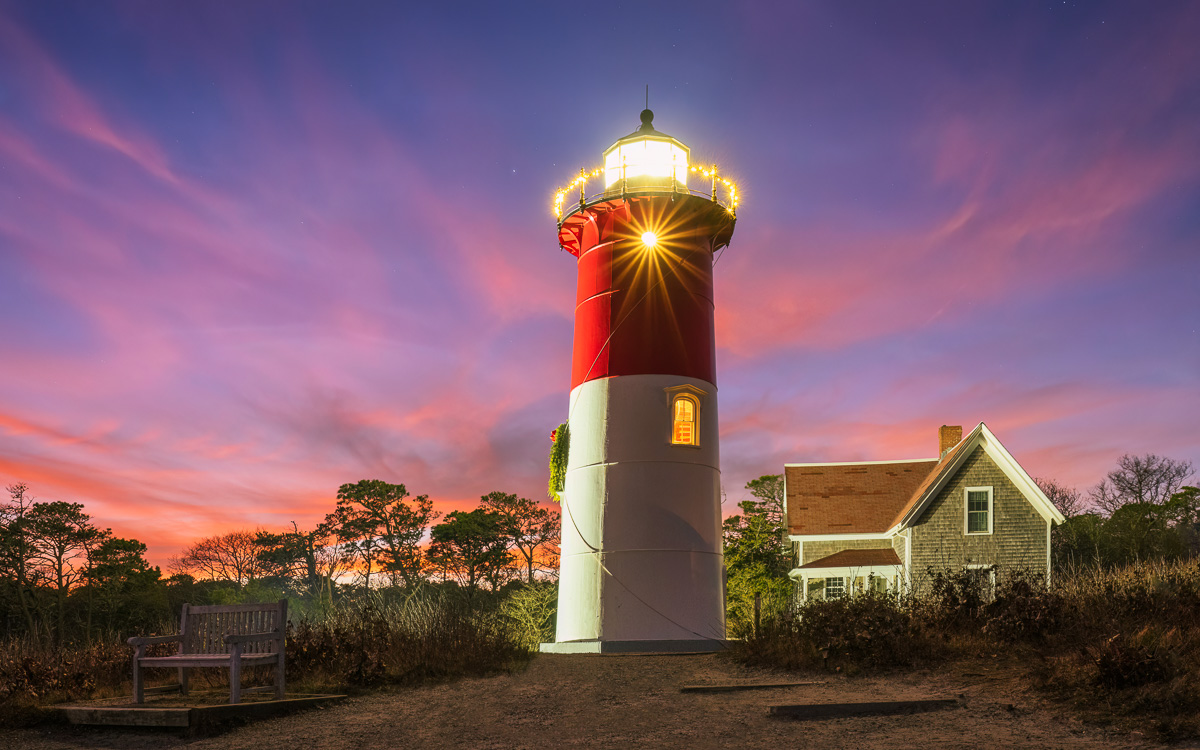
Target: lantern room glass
point(645, 157)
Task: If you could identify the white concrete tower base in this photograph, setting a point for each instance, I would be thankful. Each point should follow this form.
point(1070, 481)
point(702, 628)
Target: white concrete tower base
point(641, 566)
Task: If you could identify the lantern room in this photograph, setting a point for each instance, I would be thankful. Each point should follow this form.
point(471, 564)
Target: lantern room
point(646, 158)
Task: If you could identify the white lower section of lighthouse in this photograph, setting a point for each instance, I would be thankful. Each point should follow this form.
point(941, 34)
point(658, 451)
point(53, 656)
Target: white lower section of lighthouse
point(641, 565)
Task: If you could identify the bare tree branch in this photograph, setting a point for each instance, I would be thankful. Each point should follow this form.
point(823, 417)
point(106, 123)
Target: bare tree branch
point(1140, 479)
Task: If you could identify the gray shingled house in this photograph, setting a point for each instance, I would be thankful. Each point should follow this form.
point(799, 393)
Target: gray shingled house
point(883, 524)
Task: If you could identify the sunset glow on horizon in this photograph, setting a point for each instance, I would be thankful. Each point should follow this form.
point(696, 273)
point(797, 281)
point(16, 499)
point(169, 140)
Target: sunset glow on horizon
point(249, 253)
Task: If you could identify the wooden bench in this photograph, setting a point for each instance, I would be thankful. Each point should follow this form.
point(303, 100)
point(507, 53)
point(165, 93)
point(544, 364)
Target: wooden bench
point(227, 636)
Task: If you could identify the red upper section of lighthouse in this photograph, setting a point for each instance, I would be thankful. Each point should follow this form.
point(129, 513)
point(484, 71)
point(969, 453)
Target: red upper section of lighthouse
point(645, 310)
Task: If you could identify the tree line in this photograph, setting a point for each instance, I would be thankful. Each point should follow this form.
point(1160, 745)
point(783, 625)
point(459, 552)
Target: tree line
point(1144, 509)
point(64, 578)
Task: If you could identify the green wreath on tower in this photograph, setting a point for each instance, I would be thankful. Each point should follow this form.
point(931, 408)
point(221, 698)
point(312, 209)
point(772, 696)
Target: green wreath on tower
point(561, 438)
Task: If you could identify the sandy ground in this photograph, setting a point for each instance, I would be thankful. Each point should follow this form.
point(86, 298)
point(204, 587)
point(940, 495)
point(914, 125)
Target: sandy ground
point(634, 701)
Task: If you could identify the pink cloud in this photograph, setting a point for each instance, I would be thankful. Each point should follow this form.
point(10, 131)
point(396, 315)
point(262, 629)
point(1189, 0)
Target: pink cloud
point(69, 109)
point(1049, 227)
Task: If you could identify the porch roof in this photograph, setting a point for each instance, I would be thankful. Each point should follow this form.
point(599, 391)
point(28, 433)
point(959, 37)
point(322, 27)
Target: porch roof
point(856, 558)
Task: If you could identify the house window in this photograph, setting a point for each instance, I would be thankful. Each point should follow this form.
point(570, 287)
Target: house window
point(983, 577)
point(835, 588)
point(683, 421)
point(979, 510)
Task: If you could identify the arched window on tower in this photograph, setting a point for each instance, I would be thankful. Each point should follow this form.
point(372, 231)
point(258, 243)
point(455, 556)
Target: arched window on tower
point(683, 422)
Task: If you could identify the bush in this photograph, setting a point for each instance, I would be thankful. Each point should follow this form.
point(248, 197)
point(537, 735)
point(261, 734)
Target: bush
point(775, 598)
point(1122, 642)
point(1147, 656)
point(1024, 610)
point(33, 675)
point(954, 599)
point(869, 631)
point(400, 644)
point(532, 612)
point(1129, 644)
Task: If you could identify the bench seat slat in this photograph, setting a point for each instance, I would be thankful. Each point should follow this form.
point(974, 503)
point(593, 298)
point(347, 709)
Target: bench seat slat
point(203, 660)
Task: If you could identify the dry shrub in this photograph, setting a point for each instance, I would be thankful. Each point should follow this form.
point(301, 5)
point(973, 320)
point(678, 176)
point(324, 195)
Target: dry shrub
point(1124, 661)
point(953, 600)
point(1024, 610)
point(531, 612)
point(1165, 593)
point(1131, 647)
point(1122, 642)
point(375, 644)
point(870, 631)
point(33, 675)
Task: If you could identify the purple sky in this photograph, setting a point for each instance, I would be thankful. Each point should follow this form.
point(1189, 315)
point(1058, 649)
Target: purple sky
point(252, 251)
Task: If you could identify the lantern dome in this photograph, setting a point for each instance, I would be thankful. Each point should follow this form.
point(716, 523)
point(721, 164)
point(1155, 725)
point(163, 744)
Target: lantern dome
point(646, 159)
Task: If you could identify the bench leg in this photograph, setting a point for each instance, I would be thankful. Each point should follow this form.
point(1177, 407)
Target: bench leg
point(280, 678)
point(235, 673)
point(139, 694)
point(183, 680)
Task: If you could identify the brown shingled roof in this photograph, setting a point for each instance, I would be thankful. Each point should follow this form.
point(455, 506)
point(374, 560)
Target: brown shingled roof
point(851, 498)
point(856, 558)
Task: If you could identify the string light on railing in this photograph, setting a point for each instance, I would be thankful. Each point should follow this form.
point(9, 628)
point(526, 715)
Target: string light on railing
point(581, 181)
point(730, 187)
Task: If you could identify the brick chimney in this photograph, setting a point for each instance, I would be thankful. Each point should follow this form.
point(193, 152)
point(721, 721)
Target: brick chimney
point(948, 437)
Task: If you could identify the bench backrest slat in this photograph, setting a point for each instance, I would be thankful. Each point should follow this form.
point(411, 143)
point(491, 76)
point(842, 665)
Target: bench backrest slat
point(204, 628)
point(183, 627)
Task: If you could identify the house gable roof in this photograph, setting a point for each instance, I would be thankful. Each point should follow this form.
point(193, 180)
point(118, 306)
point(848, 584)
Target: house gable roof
point(946, 467)
point(854, 498)
point(883, 496)
point(981, 436)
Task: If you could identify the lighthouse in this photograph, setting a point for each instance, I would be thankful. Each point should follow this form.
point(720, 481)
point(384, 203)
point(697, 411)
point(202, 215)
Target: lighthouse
point(641, 566)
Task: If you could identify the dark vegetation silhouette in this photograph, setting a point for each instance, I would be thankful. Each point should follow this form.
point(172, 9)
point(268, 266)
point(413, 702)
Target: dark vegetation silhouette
point(381, 593)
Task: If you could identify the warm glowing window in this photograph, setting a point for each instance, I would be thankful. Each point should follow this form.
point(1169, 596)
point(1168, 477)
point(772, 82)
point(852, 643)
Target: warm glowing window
point(683, 430)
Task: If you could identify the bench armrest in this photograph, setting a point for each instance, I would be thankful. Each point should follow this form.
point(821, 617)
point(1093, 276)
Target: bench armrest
point(249, 637)
point(155, 639)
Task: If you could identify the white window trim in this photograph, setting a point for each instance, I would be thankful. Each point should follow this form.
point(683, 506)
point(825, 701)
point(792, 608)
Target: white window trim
point(908, 560)
point(1049, 524)
point(846, 586)
point(967, 511)
point(991, 569)
point(697, 397)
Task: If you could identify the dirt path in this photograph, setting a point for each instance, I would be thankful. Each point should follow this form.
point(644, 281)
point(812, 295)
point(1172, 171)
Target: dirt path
point(634, 701)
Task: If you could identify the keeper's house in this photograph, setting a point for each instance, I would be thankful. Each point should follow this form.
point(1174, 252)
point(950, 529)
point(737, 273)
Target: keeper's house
point(882, 525)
